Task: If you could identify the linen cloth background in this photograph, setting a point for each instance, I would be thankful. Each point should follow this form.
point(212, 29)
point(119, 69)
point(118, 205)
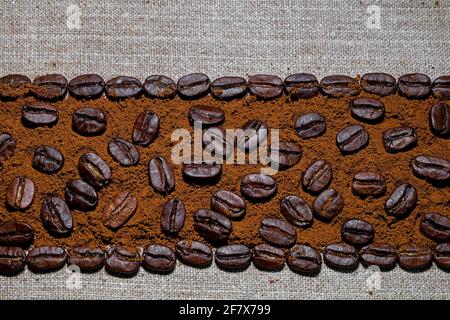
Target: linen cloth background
point(235, 37)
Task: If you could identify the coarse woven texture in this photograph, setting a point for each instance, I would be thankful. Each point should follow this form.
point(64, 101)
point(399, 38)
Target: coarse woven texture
point(218, 38)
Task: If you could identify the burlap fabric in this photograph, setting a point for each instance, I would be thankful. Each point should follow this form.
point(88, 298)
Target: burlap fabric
point(234, 37)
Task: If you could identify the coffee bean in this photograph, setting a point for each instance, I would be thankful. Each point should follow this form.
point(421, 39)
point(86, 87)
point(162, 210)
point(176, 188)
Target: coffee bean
point(412, 256)
point(233, 257)
point(431, 168)
point(119, 210)
point(442, 256)
point(194, 253)
point(317, 177)
point(296, 211)
point(352, 139)
point(267, 257)
point(20, 193)
point(310, 125)
point(399, 139)
point(304, 259)
point(277, 232)
point(81, 195)
point(301, 85)
point(258, 187)
point(123, 152)
point(436, 227)
point(414, 86)
point(212, 226)
point(145, 128)
point(122, 262)
point(368, 184)
point(253, 134)
point(7, 146)
point(441, 87)
point(89, 121)
point(402, 201)
point(215, 141)
point(227, 88)
point(367, 109)
point(50, 87)
point(94, 170)
point(158, 86)
point(194, 85)
point(173, 216)
point(328, 204)
point(13, 86)
point(38, 114)
point(284, 154)
point(378, 254)
point(47, 159)
point(87, 86)
point(382, 84)
point(357, 232)
point(341, 256)
point(202, 172)
point(12, 260)
point(206, 115)
point(87, 259)
point(16, 234)
point(440, 119)
point(161, 175)
point(339, 85)
point(45, 259)
point(159, 258)
point(123, 87)
point(228, 204)
point(56, 216)
point(265, 86)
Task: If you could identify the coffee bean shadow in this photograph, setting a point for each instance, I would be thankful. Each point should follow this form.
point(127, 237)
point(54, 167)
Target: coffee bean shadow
point(13, 274)
point(122, 275)
point(203, 182)
point(305, 274)
point(34, 126)
point(269, 270)
point(238, 270)
point(446, 270)
point(417, 270)
point(160, 272)
point(34, 271)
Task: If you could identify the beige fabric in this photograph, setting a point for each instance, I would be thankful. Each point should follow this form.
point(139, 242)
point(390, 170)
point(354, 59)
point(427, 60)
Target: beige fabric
point(234, 37)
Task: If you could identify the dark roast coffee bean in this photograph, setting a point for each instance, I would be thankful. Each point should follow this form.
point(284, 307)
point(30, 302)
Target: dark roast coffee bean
point(440, 119)
point(123, 152)
point(277, 232)
point(123, 87)
point(44, 259)
point(215, 141)
point(233, 257)
point(38, 113)
point(206, 115)
point(20, 193)
point(50, 87)
point(87, 259)
point(162, 87)
point(442, 256)
point(414, 85)
point(228, 204)
point(341, 256)
point(81, 195)
point(47, 159)
point(202, 172)
point(227, 88)
point(145, 128)
point(310, 125)
point(352, 139)
point(431, 168)
point(328, 204)
point(212, 226)
point(436, 227)
point(441, 87)
point(56, 216)
point(159, 258)
point(7, 146)
point(284, 154)
point(194, 253)
point(399, 139)
point(119, 210)
point(254, 133)
point(378, 254)
point(173, 216)
point(382, 84)
point(339, 85)
point(94, 170)
point(194, 85)
point(304, 259)
point(122, 262)
point(367, 109)
point(357, 232)
point(267, 257)
point(87, 86)
point(301, 85)
point(296, 211)
point(15, 234)
point(14, 86)
point(161, 175)
point(258, 187)
point(402, 201)
point(265, 86)
point(412, 256)
point(89, 121)
point(368, 184)
point(317, 177)
point(12, 260)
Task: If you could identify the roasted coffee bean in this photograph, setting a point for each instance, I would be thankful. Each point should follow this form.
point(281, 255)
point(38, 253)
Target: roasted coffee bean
point(436, 227)
point(317, 177)
point(212, 226)
point(341, 256)
point(399, 139)
point(378, 254)
point(206, 115)
point(173, 216)
point(158, 86)
point(442, 256)
point(145, 128)
point(233, 257)
point(382, 84)
point(81, 195)
point(301, 85)
point(12, 260)
point(119, 210)
point(431, 168)
point(258, 187)
point(402, 201)
point(227, 88)
point(194, 85)
point(296, 211)
point(87, 86)
point(267, 257)
point(94, 170)
point(352, 139)
point(310, 125)
point(368, 184)
point(123, 87)
point(89, 121)
point(56, 216)
point(304, 259)
point(339, 85)
point(20, 193)
point(38, 113)
point(14, 86)
point(440, 119)
point(328, 204)
point(215, 141)
point(357, 232)
point(87, 259)
point(277, 232)
point(254, 133)
point(50, 87)
point(161, 175)
point(44, 259)
point(159, 258)
point(16, 234)
point(122, 262)
point(265, 86)
point(194, 253)
point(284, 154)
point(414, 86)
point(7, 146)
point(228, 204)
point(367, 109)
point(412, 256)
point(441, 87)
point(202, 172)
point(47, 159)
point(123, 152)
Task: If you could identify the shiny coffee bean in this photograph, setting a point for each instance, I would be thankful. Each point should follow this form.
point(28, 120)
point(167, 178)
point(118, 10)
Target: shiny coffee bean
point(123, 87)
point(258, 187)
point(432, 169)
point(367, 109)
point(382, 84)
point(310, 125)
point(194, 85)
point(328, 205)
point(123, 152)
point(20, 193)
point(368, 184)
point(201, 172)
point(284, 154)
point(412, 256)
point(146, 128)
point(56, 216)
point(87, 86)
point(7, 146)
point(89, 121)
point(441, 87)
point(277, 232)
point(173, 216)
point(158, 86)
point(296, 211)
point(120, 261)
point(50, 87)
point(228, 204)
point(161, 175)
point(159, 258)
point(341, 256)
point(212, 226)
point(402, 201)
point(301, 86)
point(414, 86)
point(38, 114)
point(357, 232)
point(94, 170)
point(317, 177)
point(215, 141)
point(436, 227)
point(45, 259)
point(267, 257)
point(206, 115)
point(194, 253)
point(12, 260)
point(441, 256)
point(87, 259)
point(13, 86)
point(399, 139)
point(440, 119)
point(339, 85)
point(254, 133)
point(352, 139)
point(378, 254)
point(119, 210)
point(47, 159)
point(80, 195)
point(227, 88)
point(16, 234)
point(304, 259)
point(233, 257)
point(265, 86)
